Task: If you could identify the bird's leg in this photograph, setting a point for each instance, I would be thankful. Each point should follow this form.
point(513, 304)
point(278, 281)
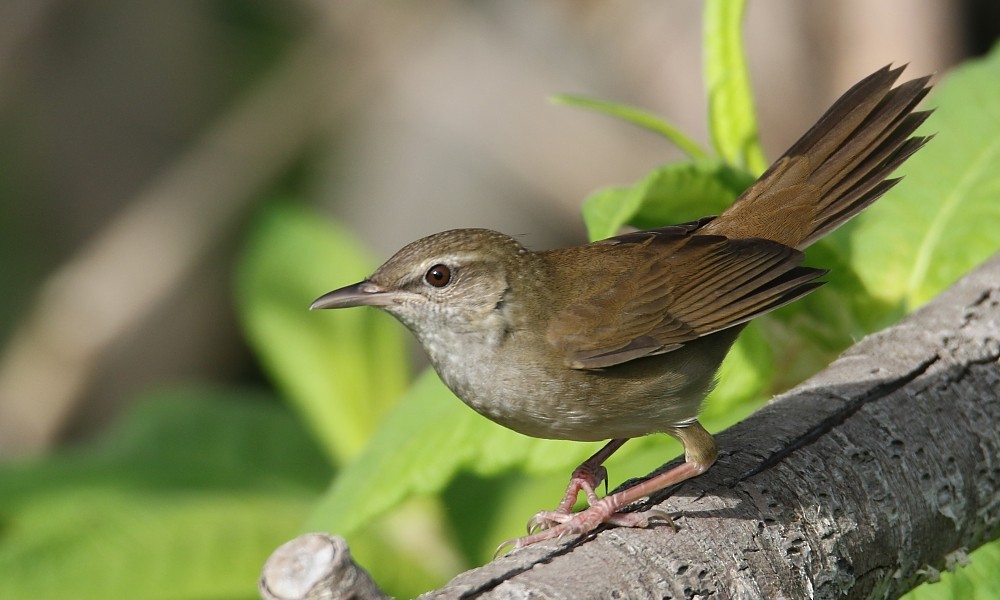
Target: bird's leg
point(586, 477)
point(699, 454)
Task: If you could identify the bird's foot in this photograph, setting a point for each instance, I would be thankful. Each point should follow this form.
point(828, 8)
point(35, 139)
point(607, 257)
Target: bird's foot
point(586, 477)
point(699, 454)
point(605, 511)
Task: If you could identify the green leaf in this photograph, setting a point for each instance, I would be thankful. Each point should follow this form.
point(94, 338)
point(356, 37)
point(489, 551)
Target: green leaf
point(731, 116)
point(609, 209)
point(937, 223)
point(682, 192)
point(638, 117)
point(185, 500)
point(422, 444)
point(341, 369)
point(673, 193)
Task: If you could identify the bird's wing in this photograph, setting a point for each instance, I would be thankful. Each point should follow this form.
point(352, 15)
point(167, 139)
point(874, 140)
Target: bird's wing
point(682, 287)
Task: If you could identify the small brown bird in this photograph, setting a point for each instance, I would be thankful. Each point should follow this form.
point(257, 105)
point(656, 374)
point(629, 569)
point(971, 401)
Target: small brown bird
point(622, 338)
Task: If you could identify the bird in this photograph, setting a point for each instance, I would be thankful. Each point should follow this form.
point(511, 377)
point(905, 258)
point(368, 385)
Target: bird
point(623, 337)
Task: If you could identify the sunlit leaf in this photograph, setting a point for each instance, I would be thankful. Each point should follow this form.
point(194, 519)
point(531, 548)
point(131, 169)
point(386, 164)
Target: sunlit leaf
point(341, 369)
point(670, 194)
point(938, 222)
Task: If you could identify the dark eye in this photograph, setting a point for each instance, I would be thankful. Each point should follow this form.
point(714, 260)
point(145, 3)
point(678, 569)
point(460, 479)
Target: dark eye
point(438, 276)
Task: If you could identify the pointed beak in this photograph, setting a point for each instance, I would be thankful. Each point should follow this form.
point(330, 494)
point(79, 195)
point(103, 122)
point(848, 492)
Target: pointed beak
point(364, 293)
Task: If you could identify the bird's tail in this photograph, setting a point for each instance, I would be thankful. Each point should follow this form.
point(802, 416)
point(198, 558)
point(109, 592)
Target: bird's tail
point(836, 169)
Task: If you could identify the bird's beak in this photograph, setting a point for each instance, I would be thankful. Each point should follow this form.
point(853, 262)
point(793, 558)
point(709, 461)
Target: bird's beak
point(364, 293)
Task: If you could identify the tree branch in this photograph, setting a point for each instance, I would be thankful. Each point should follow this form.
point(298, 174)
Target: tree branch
point(316, 566)
point(862, 482)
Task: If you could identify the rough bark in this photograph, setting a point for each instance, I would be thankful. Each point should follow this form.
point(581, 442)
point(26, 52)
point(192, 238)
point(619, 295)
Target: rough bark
point(861, 482)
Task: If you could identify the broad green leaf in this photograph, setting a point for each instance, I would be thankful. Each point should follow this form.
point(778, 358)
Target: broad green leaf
point(427, 439)
point(341, 369)
point(185, 500)
point(639, 118)
point(682, 192)
point(731, 117)
point(674, 193)
point(608, 210)
point(939, 222)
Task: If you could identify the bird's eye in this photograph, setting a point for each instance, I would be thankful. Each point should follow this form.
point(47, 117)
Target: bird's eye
point(438, 276)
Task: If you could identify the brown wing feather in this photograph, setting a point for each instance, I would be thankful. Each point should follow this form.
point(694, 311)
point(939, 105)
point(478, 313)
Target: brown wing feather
point(682, 287)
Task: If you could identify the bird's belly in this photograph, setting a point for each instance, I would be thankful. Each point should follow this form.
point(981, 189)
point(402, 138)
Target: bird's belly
point(531, 397)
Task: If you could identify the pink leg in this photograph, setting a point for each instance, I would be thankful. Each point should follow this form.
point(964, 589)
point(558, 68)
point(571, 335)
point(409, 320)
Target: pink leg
point(699, 454)
point(586, 477)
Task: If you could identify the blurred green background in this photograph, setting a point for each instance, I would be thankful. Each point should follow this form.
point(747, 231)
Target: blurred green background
point(178, 180)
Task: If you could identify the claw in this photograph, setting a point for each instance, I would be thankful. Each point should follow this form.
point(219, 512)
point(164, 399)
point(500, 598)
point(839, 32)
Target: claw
point(504, 544)
point(547, 519)
point(544, 520)
point(535, 524)
point(556, 532)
